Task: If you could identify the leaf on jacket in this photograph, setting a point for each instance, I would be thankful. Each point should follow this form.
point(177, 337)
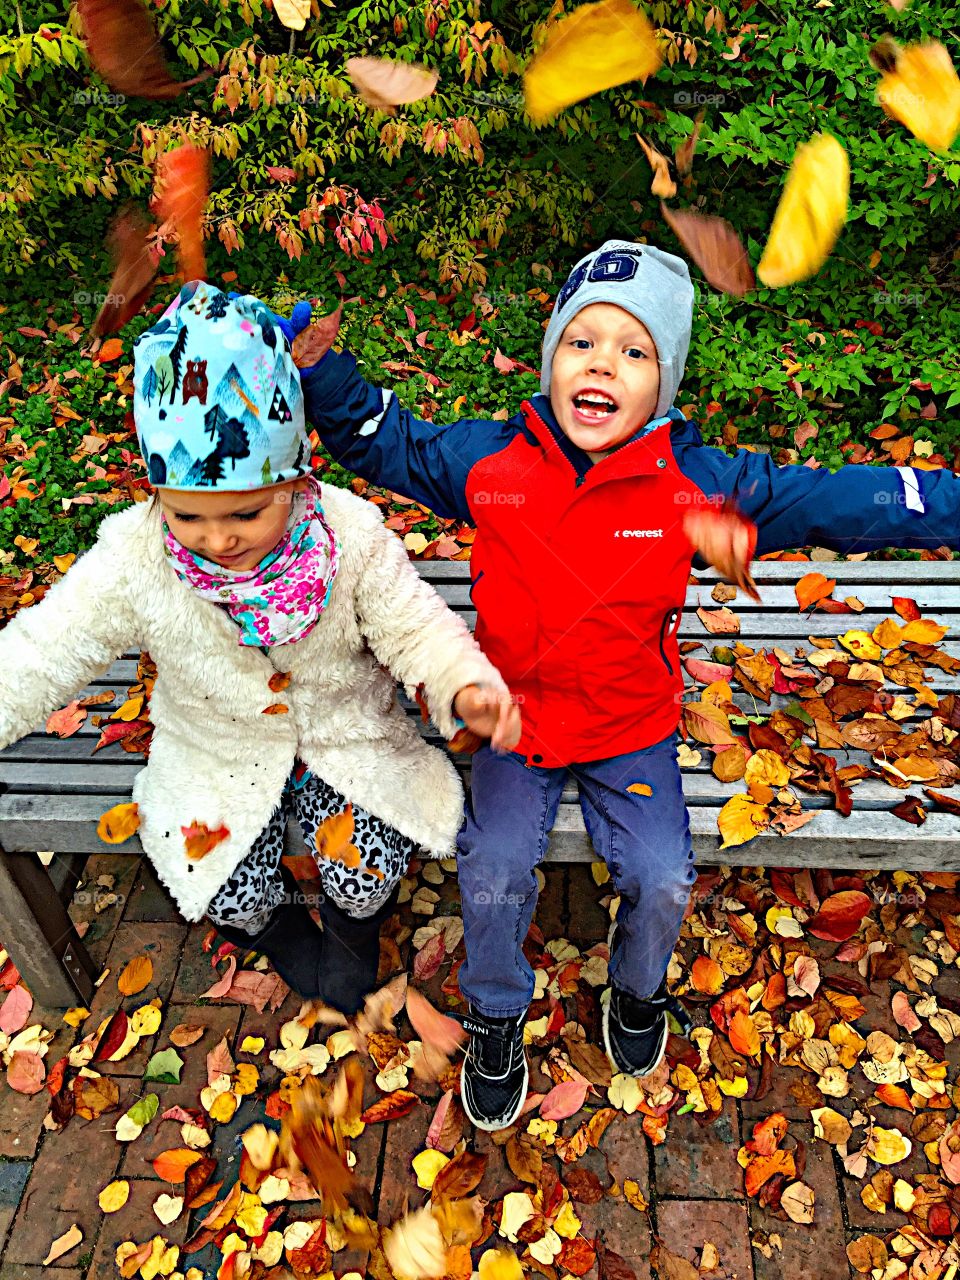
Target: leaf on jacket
point(126, 50)
point(312, 344)
point(593, 48)
point(920, 88)
point(182, 185)
point(383, 83)
point(65, 722)
point(200, 839)
point(810, 215)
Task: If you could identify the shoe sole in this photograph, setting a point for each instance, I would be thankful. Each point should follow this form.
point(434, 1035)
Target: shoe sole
point(492, 1126)
point(630, 1071)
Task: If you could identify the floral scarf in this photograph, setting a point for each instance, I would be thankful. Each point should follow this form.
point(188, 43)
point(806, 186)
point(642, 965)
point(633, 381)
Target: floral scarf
point(279, 601)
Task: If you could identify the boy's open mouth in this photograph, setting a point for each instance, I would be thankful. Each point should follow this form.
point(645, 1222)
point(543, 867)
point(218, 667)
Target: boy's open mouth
point(593, 406)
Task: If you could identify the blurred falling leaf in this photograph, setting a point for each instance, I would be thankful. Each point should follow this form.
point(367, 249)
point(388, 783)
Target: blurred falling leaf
point(181, 189)
point(726, 539)
point(663, 185)
point(810, 215)
point(594, 48)
point(383, 83)
point(201, 839)
point(292, 13)
point(126, 50)
point(134, 269)
point(414, 1247)
point(715, 247)
point(119, 823)
point(920, 88)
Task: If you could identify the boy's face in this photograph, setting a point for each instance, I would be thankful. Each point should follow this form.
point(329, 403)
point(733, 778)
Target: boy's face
point(605, 379)
point(235, 530)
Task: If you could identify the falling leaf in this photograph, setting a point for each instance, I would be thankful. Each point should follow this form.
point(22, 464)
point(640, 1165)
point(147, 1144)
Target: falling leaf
point(137, 974)
point(726, 539)
point(663, 185)
point(125, 49)
point(309, 347)
point(715, 247)
point(182, 186)
point(292, 13)
point(810, 215)
point(65, 722)
point(594, 48)
point(63, 1244)
point(114, 1196)
point(383, 83)
point(201, 839)
point(119, 823)
point(414, 1247)
point(797, 1200)
point(134, 270)
point(920, 88)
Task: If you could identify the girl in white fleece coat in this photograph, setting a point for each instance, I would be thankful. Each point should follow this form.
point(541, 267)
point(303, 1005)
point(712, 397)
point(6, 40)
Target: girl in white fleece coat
point(280, 615)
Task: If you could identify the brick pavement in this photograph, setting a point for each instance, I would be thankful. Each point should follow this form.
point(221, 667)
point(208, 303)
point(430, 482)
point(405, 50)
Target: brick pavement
point(694, 1186)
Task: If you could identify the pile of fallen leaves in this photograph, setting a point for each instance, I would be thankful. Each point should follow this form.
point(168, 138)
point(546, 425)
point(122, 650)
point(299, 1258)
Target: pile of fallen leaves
point(778, 970)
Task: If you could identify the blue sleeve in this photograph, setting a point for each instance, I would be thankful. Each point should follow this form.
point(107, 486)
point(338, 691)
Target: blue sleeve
point(367, 431)
point(856, 508)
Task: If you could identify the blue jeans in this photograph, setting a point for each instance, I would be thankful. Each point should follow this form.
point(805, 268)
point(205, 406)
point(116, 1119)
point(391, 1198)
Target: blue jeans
point(644, 840)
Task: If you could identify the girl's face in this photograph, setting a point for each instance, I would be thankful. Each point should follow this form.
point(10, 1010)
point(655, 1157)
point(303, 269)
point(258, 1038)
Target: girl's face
point(235, 530)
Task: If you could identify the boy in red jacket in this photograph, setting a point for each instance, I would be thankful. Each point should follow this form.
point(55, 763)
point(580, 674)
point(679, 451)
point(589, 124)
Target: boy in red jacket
point(580, 567)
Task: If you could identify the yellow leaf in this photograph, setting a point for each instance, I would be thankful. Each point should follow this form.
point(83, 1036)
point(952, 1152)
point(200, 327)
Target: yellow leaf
point(810, 215)
point(426, 1165)
point(146, 1020)
point(921, 90)
point(252, 1044)
point(119, 823)
point(600, 872)
point(73, 1017)
point(861, 644)
point(224, 1105)
point(114, 1196)
point(566, 1223)
point(634, 1196)
point(517, 1209)
point(292, 13)
point(63, 563)
point(888, 1146)
point(63, 1244)
point(246, 1078)
point(500, 1264)
point(27, 545)
point(251, 1216)
point(595, 47)
point(923, 631)
point(766, 766)
point(740, 820)
point(415, 1248)
point(888, 634)
point(640, 789)
point(137, 974)
point(260, 1144)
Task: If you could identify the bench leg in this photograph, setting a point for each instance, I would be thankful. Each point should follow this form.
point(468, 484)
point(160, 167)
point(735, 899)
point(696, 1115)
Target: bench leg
point(39, 935)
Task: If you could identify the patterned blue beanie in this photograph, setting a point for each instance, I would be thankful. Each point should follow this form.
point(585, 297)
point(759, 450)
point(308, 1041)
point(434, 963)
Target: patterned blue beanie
point(217, 401)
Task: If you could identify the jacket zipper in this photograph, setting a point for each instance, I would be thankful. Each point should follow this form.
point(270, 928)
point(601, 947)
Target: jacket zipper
point(668, 620)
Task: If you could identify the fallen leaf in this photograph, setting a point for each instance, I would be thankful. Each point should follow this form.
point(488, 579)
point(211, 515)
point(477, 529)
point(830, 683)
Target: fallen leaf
point(65, 722)
point(797, 1201)
point(16, 1010)
point(137, 974)
point(840, 915)
point(25, 1072)
point(63, 1244)
point(114, 1196)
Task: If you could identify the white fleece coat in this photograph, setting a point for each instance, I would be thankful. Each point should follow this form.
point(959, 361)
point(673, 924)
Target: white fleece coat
point(215, 757)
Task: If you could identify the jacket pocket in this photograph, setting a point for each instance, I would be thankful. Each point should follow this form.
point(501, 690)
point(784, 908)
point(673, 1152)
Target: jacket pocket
point(666, 626)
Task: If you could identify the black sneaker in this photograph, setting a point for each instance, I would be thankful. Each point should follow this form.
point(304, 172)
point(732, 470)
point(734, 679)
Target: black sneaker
point(494, 1078)
point(635, 1031)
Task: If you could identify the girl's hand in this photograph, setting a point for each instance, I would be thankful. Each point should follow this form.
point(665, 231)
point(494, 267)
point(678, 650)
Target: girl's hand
point(489, 714)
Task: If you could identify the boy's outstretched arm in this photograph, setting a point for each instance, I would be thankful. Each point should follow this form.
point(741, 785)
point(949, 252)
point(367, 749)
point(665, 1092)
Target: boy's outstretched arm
point(856, 508)
point(367, 431)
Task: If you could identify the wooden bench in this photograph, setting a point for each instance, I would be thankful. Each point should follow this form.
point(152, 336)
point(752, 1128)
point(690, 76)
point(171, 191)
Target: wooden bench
point(53, 791)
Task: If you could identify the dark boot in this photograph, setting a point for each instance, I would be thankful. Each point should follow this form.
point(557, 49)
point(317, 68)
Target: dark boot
point(351, 954)
point(291, 942)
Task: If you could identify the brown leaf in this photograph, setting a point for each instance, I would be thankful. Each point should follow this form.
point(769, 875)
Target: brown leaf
point(185, 1034)
point(196, 1188)
point(525, 1161)
point(126, 50)
point(134, 270)
point(390, 1107)
point(312, 344)
point(671, 1266)
point(383, 83)
point(720, 622)
point(93, 1095)
point(590, 1060)
point(460, 1177)
point(182, 186)
point(715, 247)
point(911, 810)
point(584, 1186)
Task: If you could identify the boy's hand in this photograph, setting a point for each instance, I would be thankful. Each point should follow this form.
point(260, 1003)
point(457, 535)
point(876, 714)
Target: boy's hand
point(489, 714)
point(299, 320)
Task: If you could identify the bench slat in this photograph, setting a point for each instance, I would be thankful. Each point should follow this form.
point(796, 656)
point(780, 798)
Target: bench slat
point(895, 572)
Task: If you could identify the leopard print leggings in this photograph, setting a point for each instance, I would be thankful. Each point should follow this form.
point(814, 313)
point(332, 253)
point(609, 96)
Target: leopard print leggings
point(256, 887)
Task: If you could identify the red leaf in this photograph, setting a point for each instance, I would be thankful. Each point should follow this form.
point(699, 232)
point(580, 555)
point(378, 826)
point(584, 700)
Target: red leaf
point(906, 608)
point(840, 915)
point(134, 268)
point(124, 48)
point(25, 1072)
point(113, 1037)
point(564, 1099)
point(430, 957)
point(281, 173)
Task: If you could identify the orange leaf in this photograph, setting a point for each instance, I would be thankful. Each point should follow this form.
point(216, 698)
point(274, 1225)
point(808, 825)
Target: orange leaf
point(112, 349)
point(278, 681)
point(894, 1096)
point(840, 915)
point(812, 588)
point(726, 539)
point(133, 271)
point(764, 1168)
point(200, 839)
point(135, 976)
point(124, 47)
point(707, 976)
point(172, 1165)
point(744, 1037)
point(183, 182)
point(334, 836)
point(432, 1026)
point(65, 722)
point(276, 709)
point(768, 1134)
point(391, 1107)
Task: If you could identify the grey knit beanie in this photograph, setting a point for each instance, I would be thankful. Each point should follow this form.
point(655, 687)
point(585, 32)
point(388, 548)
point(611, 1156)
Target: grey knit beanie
point(652, 285)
